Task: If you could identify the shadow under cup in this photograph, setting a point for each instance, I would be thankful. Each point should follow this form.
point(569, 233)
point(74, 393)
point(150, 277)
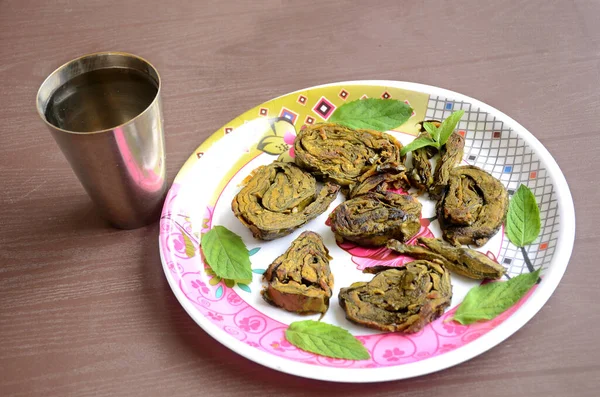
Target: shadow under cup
point(104, 112)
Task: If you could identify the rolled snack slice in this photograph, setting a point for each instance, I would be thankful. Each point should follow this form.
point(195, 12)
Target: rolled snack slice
point(300, 280)
point(279, 198)
point(451, 154)
point(472, 207)
point(373, 218)
point(404, 299)
point(464, 261)
point(342, 155)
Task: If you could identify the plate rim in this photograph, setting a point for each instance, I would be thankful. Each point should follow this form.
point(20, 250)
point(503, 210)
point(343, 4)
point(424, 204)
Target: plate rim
point(534, 304)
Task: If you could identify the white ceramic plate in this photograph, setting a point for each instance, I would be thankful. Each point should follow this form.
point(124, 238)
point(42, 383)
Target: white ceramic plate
point(235, 314)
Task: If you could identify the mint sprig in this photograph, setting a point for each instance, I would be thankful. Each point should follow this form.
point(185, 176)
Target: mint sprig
point(439, 135)
point(523, 224)
point(523, 219)
point(226, 254)
point(372, 113)
point(432, 129)
point(326, 340)
point(487, 301)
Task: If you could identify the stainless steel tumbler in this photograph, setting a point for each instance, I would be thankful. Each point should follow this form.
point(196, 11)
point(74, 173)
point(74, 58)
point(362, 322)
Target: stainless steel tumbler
point(104, 111)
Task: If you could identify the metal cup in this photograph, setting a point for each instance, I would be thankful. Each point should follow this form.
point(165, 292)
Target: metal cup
point(104, 111)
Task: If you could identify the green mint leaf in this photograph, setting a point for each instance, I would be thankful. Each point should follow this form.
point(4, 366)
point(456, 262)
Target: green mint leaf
point(372, 113)
point(432, 129)
point(417, 144)
point(326, 340)
point(448, 126)
point(523, 220)
point(487, 301)
point(226, 254)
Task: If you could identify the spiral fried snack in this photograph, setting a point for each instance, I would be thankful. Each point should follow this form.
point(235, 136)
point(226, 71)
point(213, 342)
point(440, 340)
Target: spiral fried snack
point(399, 299)
point(472, 207)
point(280, 197)
point(342, 155)
point(373, 218)
point(300, 280)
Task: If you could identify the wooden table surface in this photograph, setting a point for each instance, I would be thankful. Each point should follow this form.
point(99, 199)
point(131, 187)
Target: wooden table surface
point(86, 310)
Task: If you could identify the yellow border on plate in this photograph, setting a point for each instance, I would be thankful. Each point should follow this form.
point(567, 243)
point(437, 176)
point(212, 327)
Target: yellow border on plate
point(292, 102)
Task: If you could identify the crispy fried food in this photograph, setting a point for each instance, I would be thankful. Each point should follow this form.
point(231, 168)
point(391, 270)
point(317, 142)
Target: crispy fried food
point(373, 218)
point(345, 156)
point(300, 280)
point(472, 207)
point(464, 261)
point(399, 299)
point(279, 198)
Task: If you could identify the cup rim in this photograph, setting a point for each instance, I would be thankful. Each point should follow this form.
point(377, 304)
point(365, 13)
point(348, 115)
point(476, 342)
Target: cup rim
point(41, 112)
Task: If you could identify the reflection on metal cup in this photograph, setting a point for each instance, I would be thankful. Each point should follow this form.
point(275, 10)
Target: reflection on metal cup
point(104, 112)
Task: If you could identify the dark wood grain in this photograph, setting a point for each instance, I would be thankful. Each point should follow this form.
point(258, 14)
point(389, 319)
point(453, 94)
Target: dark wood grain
point(85, 309)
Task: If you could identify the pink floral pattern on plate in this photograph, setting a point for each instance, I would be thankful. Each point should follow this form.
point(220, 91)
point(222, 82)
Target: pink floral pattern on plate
point(222, 306)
